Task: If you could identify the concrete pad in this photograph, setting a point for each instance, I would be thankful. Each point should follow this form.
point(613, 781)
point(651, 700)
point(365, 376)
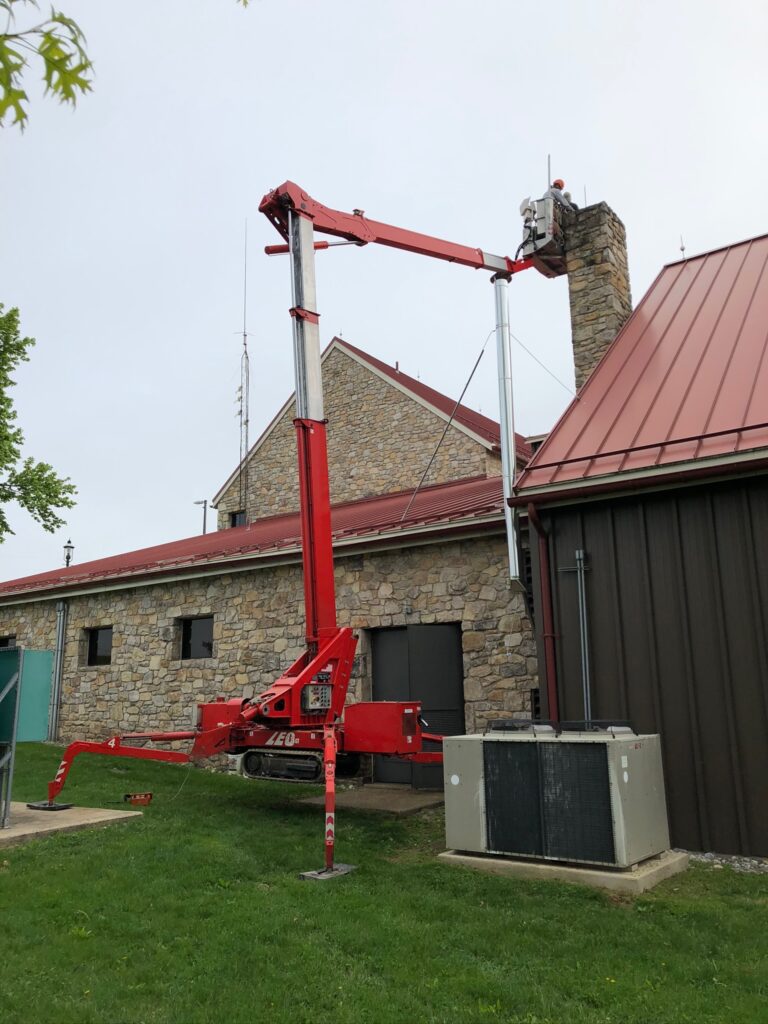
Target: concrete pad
point(382, 799)
point(29, 824)
point(631, 881)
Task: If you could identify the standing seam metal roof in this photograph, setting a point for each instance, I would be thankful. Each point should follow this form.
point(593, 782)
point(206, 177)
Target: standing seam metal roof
point(684, 381)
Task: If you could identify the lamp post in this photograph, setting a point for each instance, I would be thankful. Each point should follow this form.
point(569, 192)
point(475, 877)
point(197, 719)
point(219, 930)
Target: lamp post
point(69, 547)
point(204, 503)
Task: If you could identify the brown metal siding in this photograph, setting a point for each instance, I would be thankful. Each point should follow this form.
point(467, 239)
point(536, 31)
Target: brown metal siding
point(677, 594)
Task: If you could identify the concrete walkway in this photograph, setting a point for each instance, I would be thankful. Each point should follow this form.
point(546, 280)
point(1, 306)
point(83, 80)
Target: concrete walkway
point(382, 799)
point(27, 824)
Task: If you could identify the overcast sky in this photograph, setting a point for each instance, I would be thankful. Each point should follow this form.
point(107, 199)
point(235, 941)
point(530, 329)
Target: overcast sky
point(122, 221)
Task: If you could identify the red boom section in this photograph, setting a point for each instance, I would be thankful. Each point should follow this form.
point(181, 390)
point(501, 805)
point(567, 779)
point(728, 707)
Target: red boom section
point(316, 537)
point(356, 227)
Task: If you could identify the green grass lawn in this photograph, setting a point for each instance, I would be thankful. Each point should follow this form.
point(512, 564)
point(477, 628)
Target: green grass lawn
point(195, 913)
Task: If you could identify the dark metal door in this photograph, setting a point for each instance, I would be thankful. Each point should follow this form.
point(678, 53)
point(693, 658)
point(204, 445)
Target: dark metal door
point(420, 663)
point(389, 653)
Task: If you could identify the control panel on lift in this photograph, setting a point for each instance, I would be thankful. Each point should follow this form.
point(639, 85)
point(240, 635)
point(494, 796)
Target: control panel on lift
point(316, 696)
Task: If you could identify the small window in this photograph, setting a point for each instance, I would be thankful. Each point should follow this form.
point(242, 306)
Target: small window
point(7, 643)
point(237, 518)
point(197, 638)
point(100, 645)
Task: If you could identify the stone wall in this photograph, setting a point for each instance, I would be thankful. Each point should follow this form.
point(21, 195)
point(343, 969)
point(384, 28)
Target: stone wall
point(33, 624)
point(379, 441)
point(259, 627)
point(598, 283)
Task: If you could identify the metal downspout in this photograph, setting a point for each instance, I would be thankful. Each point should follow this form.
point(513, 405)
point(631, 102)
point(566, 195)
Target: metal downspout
point(586, 683)
point(548, 623)
point(58, 671)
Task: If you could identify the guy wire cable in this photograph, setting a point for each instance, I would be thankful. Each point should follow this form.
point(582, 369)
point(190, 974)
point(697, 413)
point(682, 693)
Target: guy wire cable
point(447, 425)
point(458, 403)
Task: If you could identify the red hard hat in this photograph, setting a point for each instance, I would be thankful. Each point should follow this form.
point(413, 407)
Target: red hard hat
point(558, 183)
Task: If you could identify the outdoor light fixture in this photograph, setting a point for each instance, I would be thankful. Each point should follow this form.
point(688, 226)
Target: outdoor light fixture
point(69, 547)
point(204, 503)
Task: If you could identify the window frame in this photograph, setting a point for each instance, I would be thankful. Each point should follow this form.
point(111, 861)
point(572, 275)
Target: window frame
point(233, 516)
point(11, 645)
point(185, 638)
point(93, 659)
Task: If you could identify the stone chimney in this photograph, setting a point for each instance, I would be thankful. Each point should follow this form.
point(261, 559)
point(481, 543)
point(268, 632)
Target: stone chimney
point(598, 283)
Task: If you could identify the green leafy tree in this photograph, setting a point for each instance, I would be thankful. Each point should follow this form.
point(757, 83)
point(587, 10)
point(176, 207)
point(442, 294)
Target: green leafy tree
point(34, 485)
point(58, 42)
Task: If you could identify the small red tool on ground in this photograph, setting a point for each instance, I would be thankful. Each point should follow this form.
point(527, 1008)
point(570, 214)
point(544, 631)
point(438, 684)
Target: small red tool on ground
point(138, 799)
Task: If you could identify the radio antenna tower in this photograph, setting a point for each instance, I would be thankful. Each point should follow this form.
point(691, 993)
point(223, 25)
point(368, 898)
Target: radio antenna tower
point(243, 392)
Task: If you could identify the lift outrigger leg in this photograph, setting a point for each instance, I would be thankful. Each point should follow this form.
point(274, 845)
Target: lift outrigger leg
point(113, 747)
point(331, 869)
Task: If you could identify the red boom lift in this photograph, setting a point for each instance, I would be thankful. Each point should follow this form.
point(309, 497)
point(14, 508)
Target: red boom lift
point(301, 720)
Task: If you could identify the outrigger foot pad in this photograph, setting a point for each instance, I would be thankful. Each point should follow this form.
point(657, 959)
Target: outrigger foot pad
point(44, 805)
point(327, 873)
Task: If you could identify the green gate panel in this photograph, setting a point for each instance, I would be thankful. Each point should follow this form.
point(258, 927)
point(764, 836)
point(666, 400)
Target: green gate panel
point(36, 677)
point(9, 666)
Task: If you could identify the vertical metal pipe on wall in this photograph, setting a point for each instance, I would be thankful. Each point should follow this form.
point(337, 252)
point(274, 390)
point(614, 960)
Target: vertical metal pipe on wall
point(58, 671)
point(548, 618)
point(586, 682)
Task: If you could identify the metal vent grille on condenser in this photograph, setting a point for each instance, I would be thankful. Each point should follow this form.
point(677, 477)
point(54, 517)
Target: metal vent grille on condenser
point(576, 800)
point(561, 807)
point(513, 824)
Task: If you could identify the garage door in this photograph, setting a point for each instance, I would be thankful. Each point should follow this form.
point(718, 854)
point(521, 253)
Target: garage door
point(420, 663)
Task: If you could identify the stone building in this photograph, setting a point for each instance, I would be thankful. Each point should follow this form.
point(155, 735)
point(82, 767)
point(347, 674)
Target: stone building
point(141, 637)
point(383, 426)
point(147, 634)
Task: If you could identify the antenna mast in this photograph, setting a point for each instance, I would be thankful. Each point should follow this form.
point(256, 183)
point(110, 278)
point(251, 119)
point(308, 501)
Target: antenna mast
point(244, 389)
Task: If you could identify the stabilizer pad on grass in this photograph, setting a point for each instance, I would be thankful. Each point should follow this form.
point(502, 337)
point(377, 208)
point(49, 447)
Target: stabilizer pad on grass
point(326, 875)
point(43, 805)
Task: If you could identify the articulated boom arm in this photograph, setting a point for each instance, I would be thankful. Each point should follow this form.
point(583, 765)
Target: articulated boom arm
point(356, 227)
point(296, 215)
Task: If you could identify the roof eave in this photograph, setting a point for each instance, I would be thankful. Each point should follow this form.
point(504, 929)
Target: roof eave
point(653, 478)
point(429, 533)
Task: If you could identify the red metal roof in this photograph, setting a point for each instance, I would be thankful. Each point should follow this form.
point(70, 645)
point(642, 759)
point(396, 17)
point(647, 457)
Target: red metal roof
point(487, 428)
point(441, 507)
point(684, 386)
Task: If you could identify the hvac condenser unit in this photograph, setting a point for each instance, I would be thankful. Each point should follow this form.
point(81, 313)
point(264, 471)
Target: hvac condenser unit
point(587, 797)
